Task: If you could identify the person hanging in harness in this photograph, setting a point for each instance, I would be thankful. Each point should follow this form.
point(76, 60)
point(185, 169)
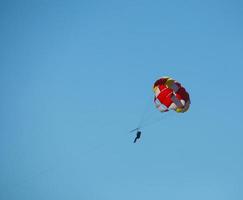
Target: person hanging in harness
point(137, 136)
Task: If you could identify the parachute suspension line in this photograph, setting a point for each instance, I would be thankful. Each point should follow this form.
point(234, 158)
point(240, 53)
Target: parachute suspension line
point(154, 121)
point(146, 114)
point(147, 117)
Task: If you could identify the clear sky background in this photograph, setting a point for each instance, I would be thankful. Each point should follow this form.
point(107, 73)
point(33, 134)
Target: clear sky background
point(75, 78)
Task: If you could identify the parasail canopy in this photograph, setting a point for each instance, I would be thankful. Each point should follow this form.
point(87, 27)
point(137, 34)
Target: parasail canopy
point(170, 95)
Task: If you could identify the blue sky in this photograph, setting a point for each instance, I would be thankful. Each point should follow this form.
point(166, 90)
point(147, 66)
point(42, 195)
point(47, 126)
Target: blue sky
point(75, 78)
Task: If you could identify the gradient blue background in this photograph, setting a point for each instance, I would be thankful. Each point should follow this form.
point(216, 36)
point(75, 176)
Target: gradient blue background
point(75, 77)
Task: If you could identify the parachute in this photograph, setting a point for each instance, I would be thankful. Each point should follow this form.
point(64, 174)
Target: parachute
point(169, 94)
